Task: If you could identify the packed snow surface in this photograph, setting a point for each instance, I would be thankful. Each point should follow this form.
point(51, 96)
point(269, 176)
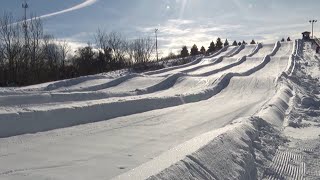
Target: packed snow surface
point(207, 119)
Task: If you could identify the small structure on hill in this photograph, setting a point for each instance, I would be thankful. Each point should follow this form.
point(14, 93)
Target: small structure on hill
point(306, 35)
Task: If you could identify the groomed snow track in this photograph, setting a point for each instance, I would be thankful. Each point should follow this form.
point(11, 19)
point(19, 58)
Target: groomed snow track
point(112, 127)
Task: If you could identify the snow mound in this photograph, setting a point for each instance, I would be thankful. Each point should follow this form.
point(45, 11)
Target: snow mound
point(238, 147)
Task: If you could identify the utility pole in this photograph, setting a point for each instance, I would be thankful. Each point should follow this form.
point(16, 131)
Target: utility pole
point(312, 22)
point(25, 6)
point(156, 31)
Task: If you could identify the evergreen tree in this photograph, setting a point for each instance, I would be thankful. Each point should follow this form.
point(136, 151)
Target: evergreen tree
point(239, 43)
point(184, 51)
point(203, 50)
point(211, 48)
point(282, 40)
point(194, 50)
point(219, 44)
point(234, 43)
point(226, 43)
point(253, 42)
point(288, 39)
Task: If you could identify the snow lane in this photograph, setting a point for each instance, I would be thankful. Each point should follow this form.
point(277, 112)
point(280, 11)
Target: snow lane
point(183, 85)
point(265, 49)
point(135, 83)
point(204, 62)
point(123, 86)
point(109, 148)
point(139, 137)
point(246, 51)
point(248, 87)
point(76, 112)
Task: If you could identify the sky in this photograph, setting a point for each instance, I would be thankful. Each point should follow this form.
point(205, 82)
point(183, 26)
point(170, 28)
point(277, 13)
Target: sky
point(180, 22)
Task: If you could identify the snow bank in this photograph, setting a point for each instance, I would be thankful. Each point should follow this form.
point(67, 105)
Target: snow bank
point(236, 51)
point(55, 97)
point(238, 62)
point(275, 49)
point(219, 52)
point(255, 51)
point(276, 109)
point(71, 82)
point(112, 83)
point(175, 154)
point(165, 84)
point(216, 61)
point(292, 62)
point(196, 61)
point(232, 152)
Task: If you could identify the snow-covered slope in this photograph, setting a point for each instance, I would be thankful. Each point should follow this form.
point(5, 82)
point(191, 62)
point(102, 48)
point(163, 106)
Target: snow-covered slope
point(209, 119)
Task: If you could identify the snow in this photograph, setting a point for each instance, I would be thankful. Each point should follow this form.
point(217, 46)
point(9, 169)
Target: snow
point(229, 115)
point(175, 154)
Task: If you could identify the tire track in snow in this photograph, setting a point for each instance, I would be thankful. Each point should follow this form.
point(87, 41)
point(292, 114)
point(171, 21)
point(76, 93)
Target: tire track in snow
point(294, 163)
point(287, 164)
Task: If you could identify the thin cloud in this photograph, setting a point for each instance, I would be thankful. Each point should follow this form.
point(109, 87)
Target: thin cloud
point(76, 7)
point(79, 6)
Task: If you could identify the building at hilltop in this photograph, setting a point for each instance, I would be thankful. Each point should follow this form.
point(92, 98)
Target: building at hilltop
point(306, 35)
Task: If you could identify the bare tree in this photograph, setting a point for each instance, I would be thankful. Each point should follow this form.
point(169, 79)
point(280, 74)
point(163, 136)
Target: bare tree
point(117, 43)
point(50, 51)
point(35, 60)
point(11, 45)
point(101, 39)
point(35, 37)
point(2, 65)
point(64, 48)
point(142, 49)
point(105, 52)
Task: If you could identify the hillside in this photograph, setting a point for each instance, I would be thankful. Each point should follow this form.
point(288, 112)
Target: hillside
point(245, 112)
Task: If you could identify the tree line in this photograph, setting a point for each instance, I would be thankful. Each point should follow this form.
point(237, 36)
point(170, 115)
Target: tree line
point(212, 47)
point(28, 55)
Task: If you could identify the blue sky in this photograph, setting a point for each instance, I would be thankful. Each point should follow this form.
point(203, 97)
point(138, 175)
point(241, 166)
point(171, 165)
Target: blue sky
point(180, 22)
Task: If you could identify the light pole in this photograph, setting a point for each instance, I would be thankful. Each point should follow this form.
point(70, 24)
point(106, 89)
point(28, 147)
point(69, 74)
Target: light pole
point(156, 31)
point(312, 22)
